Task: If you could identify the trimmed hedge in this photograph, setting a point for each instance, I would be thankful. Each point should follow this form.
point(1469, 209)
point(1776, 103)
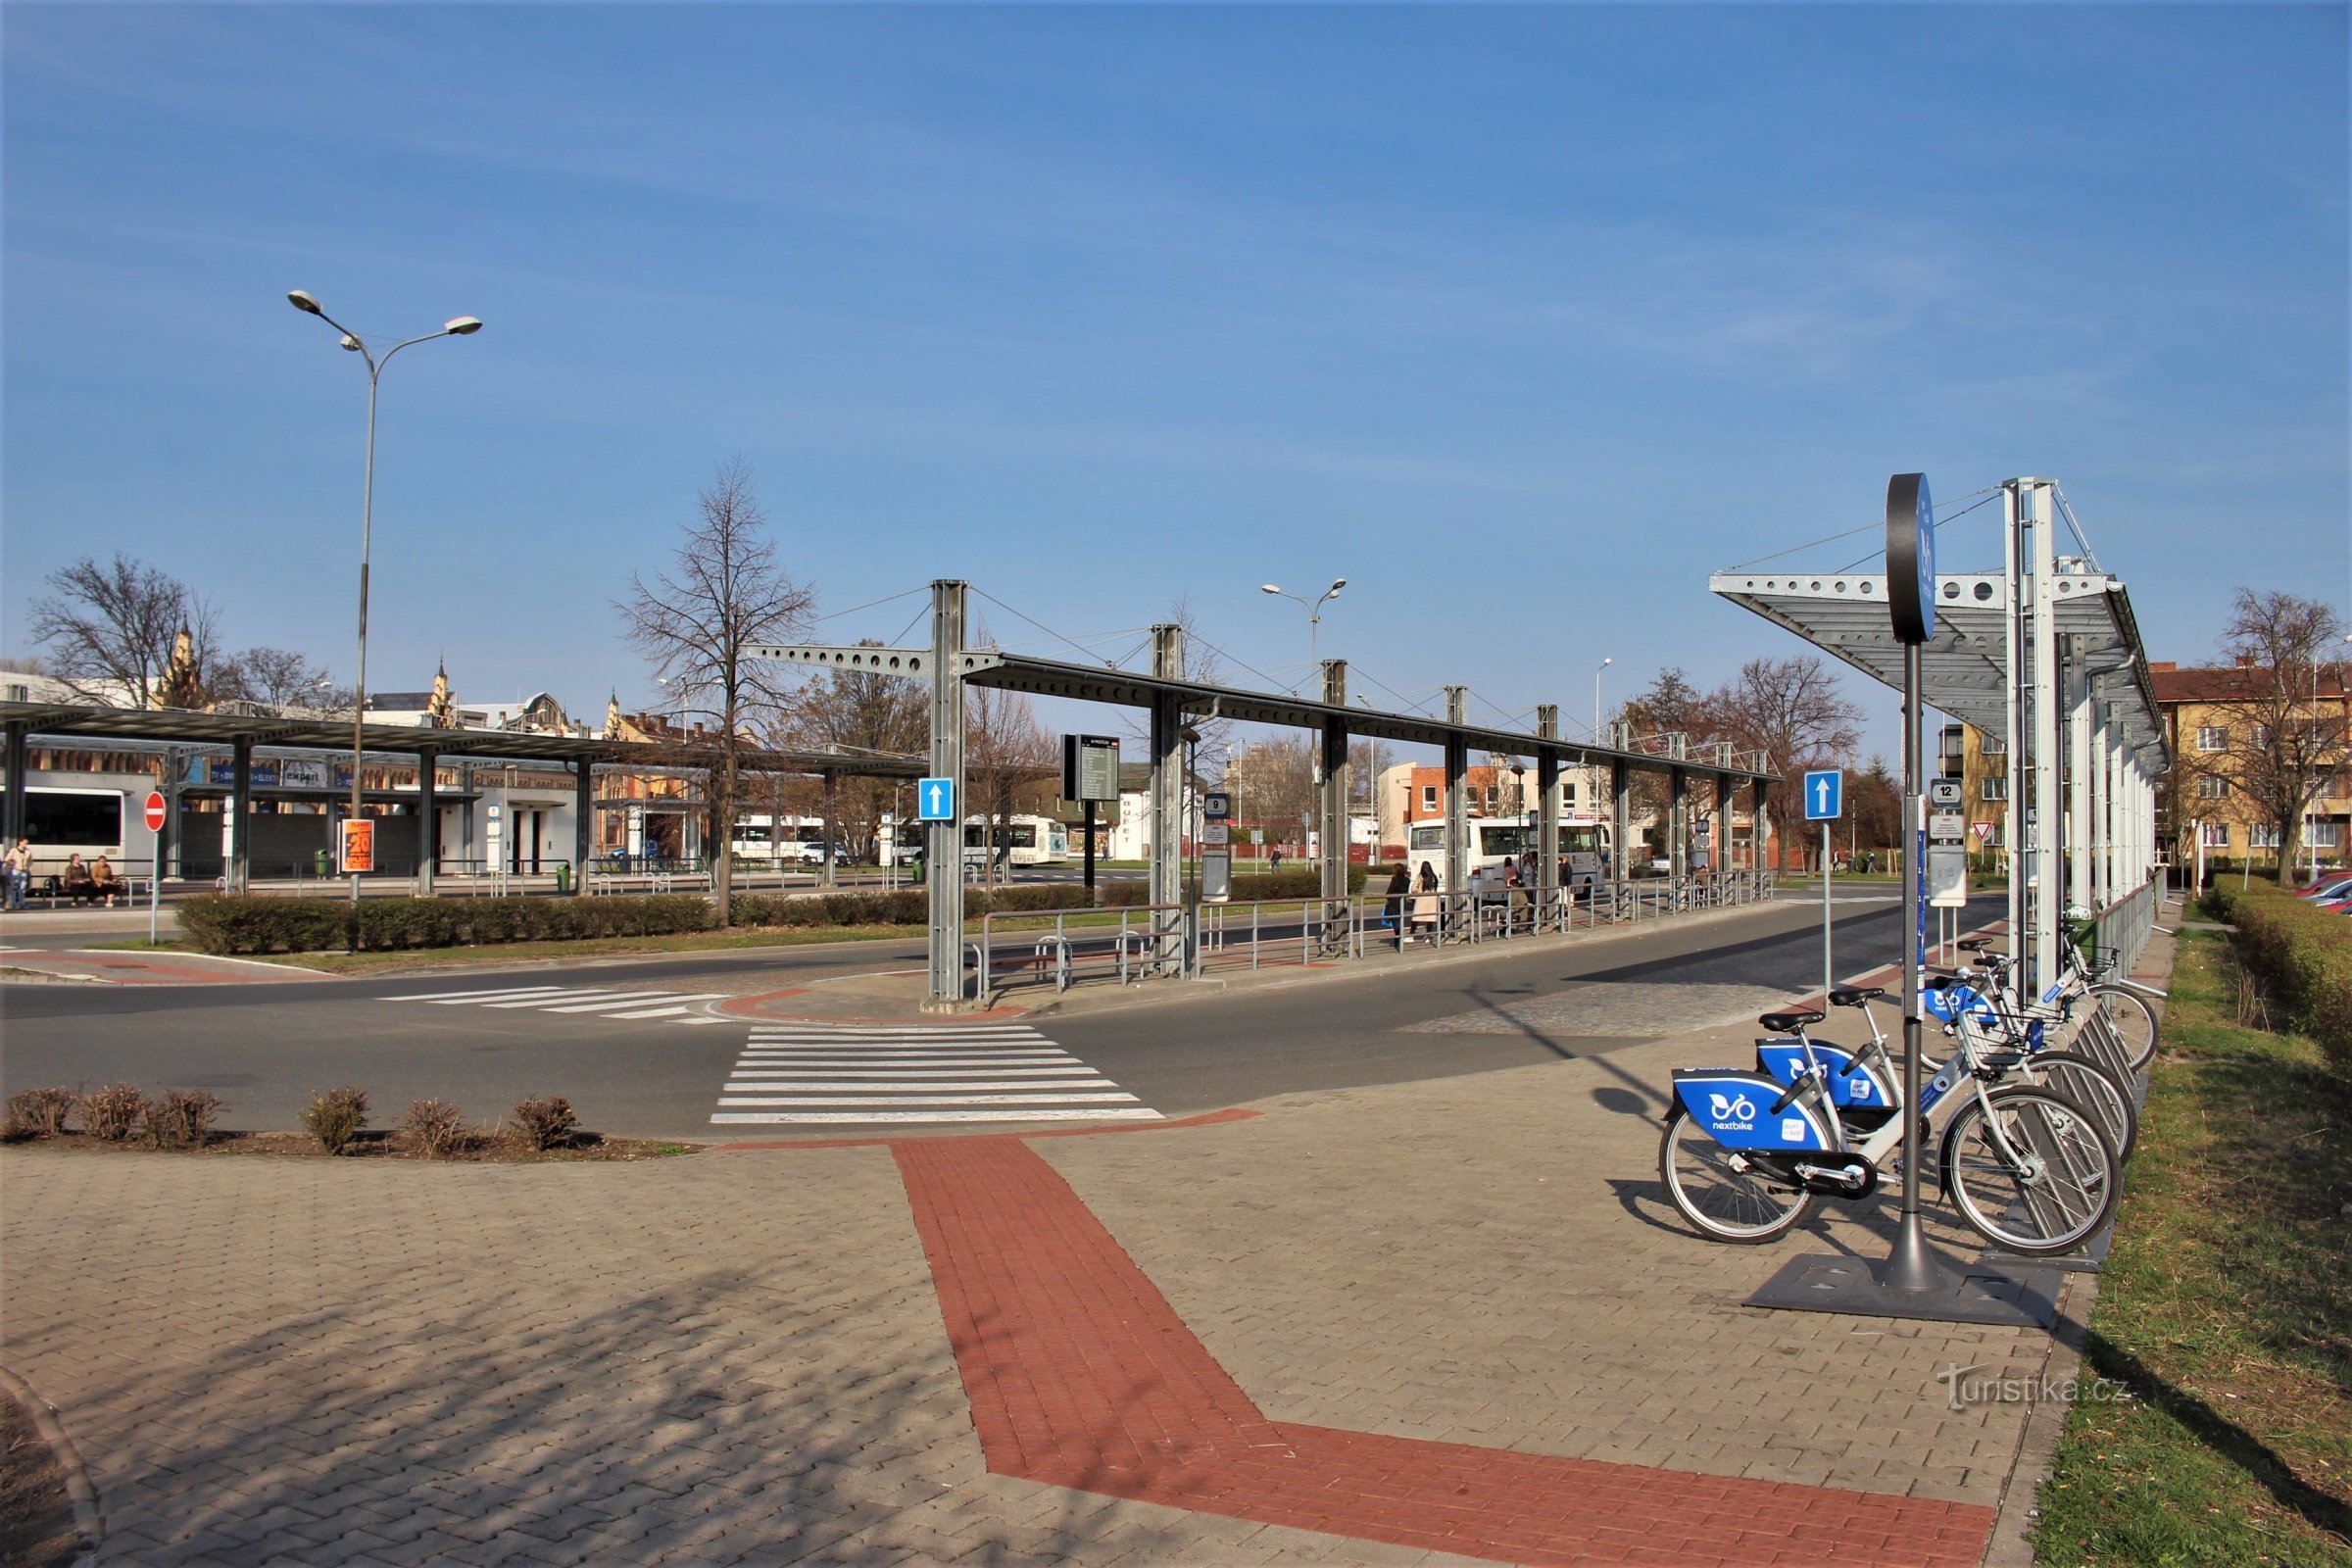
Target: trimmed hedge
point(2304, 955)
point(229, 924)
point(232, 925)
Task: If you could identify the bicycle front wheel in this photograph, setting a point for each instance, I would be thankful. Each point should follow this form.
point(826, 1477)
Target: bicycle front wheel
point(1726, 1194)
point(2035, 1175)
point(2133, 1017)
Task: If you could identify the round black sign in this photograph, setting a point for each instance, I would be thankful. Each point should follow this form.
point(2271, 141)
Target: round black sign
point(1911, 557)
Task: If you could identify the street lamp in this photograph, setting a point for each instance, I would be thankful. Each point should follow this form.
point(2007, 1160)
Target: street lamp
point(1315, 613)
point(461, 326)
point(1604, 663)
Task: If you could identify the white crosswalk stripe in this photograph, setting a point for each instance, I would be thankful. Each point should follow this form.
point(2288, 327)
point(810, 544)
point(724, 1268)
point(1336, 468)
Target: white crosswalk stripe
point(603, 1002)
point(822, 1074)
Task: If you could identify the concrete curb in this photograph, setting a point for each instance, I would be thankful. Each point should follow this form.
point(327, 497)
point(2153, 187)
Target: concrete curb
point(85, 1496)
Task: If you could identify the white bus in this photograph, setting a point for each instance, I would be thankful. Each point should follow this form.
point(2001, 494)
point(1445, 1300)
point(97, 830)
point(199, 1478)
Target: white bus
point(781, 840)
point(1023, 841)
point(1584, 848)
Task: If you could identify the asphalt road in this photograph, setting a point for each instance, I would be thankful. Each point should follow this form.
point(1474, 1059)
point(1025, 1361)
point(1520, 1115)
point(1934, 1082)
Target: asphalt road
point(266, 1046)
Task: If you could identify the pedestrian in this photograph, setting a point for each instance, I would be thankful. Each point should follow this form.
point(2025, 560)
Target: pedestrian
point(16, 868)
point(1425, 904)
point(1274, 862)
point(1391, 914)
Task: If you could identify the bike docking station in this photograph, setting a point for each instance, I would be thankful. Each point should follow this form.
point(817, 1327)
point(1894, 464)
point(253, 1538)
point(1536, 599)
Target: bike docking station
point(1912, 1281)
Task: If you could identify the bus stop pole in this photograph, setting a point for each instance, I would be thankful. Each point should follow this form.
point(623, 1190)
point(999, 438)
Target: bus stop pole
point(1828, 973)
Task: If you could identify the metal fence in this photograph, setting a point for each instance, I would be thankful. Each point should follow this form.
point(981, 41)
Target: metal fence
point(1064, 948)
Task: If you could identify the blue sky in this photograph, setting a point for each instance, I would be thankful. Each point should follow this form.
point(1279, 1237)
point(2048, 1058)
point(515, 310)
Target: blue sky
point(1523, 319)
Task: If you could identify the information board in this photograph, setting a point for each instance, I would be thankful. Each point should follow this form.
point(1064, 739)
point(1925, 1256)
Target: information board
point(1089, 767)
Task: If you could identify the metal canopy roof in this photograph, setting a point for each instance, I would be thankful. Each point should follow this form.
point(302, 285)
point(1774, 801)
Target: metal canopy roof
point(179, 726)
point(1047, 677)
point(1845, 613)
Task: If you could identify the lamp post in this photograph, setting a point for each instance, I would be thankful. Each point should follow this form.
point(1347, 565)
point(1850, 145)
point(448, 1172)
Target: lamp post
point(461, 326)
point(1315, 615)
point(1604, 663)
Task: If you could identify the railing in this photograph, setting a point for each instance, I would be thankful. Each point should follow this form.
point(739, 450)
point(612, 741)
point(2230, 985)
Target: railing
point(2127, 924)
point(1064, 947)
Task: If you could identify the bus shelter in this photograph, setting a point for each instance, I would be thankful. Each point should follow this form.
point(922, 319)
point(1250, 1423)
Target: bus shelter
point(1176, 703)
point(2042, 651)
point(323, 747)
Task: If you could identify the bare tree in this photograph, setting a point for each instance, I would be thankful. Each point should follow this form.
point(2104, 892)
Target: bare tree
point(1275, 787)
point(1010, 761)
point(110, 629)
point(1793, 710)
point(273, 682)
point(725, 591)
point(2284, 707)
point(862, 712)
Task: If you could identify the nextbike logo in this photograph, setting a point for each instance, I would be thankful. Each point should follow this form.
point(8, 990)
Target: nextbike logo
point(1734, 1111)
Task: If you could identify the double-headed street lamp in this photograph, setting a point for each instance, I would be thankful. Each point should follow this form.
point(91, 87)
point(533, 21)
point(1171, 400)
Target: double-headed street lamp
point(1315, 615)
point(463, 326)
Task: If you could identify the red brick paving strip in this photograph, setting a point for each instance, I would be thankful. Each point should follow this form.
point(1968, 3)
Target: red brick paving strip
point(1081, 1375)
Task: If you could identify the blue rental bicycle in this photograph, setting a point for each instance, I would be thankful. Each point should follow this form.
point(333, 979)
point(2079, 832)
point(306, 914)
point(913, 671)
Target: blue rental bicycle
point(1745, 1154)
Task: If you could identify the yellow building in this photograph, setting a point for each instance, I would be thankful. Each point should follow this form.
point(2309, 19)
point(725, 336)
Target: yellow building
point(2216, 722)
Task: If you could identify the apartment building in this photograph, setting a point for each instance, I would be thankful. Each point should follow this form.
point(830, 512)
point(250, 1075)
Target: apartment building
point(2217, 719)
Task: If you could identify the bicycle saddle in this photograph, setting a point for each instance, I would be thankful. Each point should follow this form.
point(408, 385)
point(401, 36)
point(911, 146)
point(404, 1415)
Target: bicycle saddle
point(1976, 945)
point(1780, 1023)
point(1855, 996)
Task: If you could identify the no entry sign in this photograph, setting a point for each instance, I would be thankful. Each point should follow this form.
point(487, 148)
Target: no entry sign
point(155, 812)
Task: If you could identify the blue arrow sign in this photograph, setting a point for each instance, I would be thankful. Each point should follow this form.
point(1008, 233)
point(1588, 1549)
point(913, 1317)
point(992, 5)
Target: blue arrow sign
point(936, 799)
point(1825, 795)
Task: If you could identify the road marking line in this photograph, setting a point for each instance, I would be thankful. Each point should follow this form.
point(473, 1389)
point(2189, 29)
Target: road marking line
point(634, 999)
point(932, 1099)
point(474, 996)
point(648, 1012)
point(958, 1086)
point(906, 1058)
point(597, 999)
point(894, 1073)
point(773, 1117)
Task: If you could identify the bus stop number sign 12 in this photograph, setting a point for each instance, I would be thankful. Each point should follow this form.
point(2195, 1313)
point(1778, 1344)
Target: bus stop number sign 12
point(1825, 795)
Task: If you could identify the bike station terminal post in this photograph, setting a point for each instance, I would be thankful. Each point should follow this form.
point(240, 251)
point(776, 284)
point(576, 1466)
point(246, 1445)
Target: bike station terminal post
point(1825, 803)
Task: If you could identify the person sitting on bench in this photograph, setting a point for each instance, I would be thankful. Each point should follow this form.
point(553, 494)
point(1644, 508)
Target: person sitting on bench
point(104, 880)
point(80, 886)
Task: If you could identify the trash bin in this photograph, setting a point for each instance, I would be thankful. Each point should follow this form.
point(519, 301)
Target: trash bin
point(320, 862)
point(919, 863)
point(563, 879)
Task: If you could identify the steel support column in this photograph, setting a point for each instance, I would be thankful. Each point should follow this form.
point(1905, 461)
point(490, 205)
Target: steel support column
point(943, 841)
point(583, 823)
point(832, 827)
point(1621, 810)
point(1546, 868)
point(2080, 830)
point(429, 825)
point(1678, 826)
point(2013, 753)
point(14, 812)
point(237, 863)
point(1332, 805)
point(1457, 794)
point(1167, 802)
point(2045, 880)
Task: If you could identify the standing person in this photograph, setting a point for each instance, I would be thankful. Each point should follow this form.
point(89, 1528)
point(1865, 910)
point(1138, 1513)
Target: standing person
point(15, 869)
point(1275, 862)
point(1391, 914)
point(1425, 904)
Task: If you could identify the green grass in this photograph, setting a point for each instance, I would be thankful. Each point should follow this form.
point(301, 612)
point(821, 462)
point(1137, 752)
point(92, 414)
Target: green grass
point(2225, 1310)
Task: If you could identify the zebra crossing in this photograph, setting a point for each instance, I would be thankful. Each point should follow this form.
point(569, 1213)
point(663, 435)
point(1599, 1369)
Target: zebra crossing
point(845, 1074)
point(673, 1007)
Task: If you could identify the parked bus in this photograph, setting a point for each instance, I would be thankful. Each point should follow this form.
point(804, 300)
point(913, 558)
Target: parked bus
point(1584, 848)
point(1024, 840)
point(781, 841)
